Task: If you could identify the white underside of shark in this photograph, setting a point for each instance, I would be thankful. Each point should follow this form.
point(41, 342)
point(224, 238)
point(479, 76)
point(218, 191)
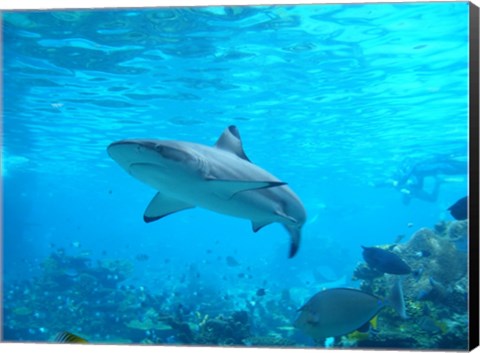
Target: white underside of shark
point(220, 178)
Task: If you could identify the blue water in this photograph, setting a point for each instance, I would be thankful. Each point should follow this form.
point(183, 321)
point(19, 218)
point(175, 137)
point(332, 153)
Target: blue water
point(329, 98)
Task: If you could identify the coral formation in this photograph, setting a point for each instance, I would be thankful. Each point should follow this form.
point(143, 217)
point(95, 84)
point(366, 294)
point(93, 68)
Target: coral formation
point(99, 300)
point(268, 341)
point(225, 331)
point(435, 292)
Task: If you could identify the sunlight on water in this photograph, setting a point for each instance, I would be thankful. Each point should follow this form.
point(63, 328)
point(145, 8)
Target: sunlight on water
point(319, 72)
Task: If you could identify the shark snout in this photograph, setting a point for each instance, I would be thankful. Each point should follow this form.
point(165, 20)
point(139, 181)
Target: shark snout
point(137, 151)
point(128, 152)
point(121, 151)
point(123, 146)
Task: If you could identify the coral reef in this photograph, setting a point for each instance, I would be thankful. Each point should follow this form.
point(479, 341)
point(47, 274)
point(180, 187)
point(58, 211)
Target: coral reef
point(225, 331)
point(268, 341)
point(99, 301)
point(435, 292)
point(71, 294)
point(457, 230)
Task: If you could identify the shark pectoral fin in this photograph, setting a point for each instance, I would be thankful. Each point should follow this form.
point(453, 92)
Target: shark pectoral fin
point(229, 188)
point(295, 235)
point(162, 206)
point(256, 226)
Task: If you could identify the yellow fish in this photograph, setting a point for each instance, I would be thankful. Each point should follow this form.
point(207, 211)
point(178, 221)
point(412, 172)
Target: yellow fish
point(365, 332)
point(67, 337)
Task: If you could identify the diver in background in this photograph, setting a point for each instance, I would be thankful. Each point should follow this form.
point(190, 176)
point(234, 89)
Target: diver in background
point(415, 188)
point(410, 176)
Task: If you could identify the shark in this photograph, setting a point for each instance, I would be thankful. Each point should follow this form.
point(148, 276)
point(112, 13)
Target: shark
point(220, 178)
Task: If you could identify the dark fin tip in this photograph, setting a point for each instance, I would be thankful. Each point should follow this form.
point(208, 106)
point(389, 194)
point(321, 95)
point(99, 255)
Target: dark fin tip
point(293, 250)
point(151, 219)
point(234, 131)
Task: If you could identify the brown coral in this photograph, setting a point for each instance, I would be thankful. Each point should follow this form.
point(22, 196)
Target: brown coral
point(444, 262)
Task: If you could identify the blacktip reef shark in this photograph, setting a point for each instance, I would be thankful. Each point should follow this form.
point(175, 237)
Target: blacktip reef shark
point(220, 178)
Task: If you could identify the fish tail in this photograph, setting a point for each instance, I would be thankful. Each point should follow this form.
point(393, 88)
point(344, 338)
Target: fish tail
point(397, 299)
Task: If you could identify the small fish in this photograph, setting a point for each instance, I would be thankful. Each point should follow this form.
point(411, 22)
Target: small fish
point(459, 210)
point(423, 253)
point(366, 331)
point(358, 336)
point(372, 325)
point(231, 261)
point(417, 274)
point(261, 292)
point(385, 261)
point(423, 294)
point(399, 238)
point(142, 257)
point(438, 289)
point(67, 337)
point(71, 272)
point(410, 225)
point(432, 326)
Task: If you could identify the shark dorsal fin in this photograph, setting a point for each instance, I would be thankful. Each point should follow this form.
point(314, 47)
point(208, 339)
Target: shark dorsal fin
point(230, 141)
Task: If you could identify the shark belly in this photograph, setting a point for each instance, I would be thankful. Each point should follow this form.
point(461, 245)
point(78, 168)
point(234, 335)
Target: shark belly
point(191, 189)
point(250, 205)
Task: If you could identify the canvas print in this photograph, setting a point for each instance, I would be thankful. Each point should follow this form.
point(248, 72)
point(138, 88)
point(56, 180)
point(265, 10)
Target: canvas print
point(254, 176)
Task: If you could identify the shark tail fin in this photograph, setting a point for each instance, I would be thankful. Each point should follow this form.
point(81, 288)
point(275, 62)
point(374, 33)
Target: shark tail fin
point(295, 236)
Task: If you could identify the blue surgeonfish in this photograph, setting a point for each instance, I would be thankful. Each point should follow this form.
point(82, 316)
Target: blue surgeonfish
point(220, 178)
point(340, 311)
point(336, 312)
